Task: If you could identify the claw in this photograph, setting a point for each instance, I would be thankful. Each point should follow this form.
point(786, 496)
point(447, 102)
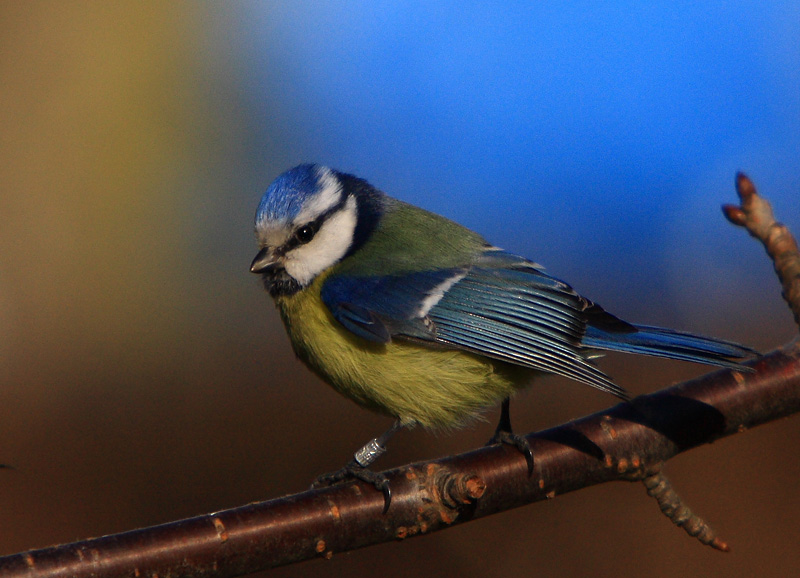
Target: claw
point(519, 442)
point(504, 435)
point(357, 467)
point(387, 495)
point(353, 470)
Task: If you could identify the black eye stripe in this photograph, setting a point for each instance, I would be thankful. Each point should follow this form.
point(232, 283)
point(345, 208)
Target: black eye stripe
point(315, 226)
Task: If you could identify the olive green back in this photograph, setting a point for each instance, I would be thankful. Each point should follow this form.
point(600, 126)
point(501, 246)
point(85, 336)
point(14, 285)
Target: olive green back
point(411, 239)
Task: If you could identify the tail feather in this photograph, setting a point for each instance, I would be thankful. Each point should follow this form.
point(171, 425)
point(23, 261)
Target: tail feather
point(670, 344)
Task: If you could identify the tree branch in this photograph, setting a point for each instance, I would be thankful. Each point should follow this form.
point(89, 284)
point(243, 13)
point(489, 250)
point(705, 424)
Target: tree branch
point(627, 442)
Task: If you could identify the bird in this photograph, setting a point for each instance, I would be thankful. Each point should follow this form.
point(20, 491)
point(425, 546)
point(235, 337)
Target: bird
point(414, 316)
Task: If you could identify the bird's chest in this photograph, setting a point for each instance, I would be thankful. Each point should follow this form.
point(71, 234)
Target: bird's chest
point(408, 380)
point(345, 361)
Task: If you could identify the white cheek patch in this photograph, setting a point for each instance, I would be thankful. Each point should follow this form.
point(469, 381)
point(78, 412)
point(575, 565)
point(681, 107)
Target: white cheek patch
point(329, 195)
point(327, 248)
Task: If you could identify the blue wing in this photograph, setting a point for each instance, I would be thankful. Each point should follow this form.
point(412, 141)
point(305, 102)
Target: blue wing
point(503, 306)
point(377, 308)
point(507, 308)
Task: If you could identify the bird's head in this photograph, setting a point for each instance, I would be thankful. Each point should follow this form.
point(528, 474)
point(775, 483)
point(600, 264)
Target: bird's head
point(310, 218)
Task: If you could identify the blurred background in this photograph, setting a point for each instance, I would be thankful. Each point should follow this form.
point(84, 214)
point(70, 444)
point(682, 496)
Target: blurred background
point(144, 374)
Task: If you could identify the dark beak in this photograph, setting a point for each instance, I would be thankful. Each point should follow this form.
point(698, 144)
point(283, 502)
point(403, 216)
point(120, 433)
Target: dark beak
point(263, 261)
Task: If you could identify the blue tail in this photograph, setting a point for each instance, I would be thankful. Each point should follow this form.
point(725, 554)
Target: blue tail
point(670, 344)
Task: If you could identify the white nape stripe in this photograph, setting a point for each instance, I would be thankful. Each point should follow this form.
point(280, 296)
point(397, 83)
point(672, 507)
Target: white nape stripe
point(435, 295)
point(327, 248)
point(330, 193)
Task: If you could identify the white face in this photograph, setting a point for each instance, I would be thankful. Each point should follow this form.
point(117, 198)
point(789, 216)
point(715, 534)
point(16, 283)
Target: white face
point(304, 261)
point(327, 248)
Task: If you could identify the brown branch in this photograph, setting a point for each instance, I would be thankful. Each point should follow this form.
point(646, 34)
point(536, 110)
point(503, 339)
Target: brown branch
point(627, 442)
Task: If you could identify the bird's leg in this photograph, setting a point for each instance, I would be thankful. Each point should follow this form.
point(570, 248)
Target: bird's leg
point(357, 467)
point(504, 435)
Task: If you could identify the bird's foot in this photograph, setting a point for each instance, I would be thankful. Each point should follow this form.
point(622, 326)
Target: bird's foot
point(357, 467)
point(354, 470)
point(516, 440)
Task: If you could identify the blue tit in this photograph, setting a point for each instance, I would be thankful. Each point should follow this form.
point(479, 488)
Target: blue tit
point(416, 317)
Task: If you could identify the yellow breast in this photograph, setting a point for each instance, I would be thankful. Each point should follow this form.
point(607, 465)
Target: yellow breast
point(432, 386)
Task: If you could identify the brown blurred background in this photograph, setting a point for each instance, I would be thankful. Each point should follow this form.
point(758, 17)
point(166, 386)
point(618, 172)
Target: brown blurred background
point(144, 376)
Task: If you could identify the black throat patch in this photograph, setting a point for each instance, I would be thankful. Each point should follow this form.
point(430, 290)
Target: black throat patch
point(279, 283)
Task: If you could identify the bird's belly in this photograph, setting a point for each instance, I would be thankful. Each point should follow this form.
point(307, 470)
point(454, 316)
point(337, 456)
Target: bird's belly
point(434, 387)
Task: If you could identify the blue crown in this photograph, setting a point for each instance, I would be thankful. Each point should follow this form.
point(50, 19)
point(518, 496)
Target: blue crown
point(287, 195)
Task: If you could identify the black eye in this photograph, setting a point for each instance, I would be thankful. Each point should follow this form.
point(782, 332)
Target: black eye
point(305, 233)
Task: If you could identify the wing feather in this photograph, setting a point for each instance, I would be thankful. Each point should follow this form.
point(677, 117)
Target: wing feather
point(503, 307)
point(523, 317)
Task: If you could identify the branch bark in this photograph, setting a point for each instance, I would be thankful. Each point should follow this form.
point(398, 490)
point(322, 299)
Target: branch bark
point(627, 442)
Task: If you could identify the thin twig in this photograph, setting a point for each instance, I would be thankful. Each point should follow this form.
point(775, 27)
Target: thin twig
point(755, 214)
point(673, 507)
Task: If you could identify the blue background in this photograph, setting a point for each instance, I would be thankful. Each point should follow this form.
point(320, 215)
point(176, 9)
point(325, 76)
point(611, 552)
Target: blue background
point(568, 134)
point(144, 374)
